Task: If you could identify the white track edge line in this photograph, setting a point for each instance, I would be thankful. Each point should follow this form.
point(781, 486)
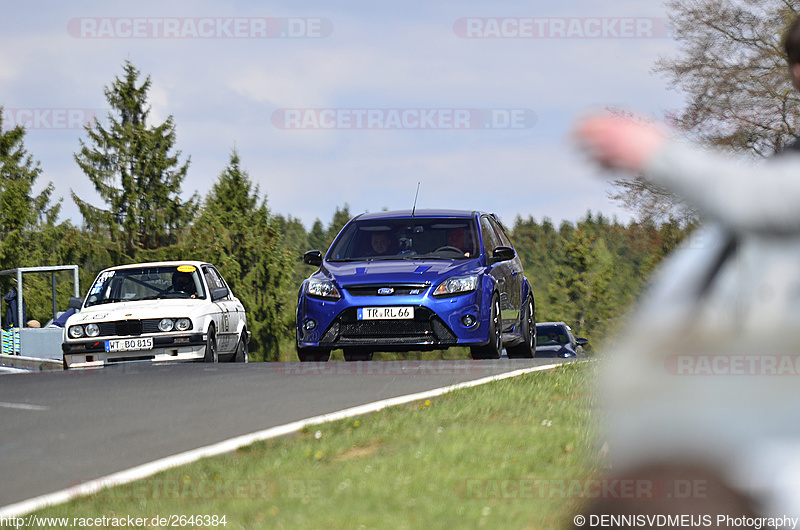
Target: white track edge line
point(226, 446)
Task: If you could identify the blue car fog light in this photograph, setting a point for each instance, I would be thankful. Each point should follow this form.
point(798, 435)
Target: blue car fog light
point(469, 320)
point(309, 324)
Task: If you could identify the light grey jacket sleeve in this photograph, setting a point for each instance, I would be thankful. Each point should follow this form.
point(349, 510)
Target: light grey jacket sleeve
point(738, 194)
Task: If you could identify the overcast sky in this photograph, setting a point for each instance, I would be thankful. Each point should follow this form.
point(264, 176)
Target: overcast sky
point(334, 103)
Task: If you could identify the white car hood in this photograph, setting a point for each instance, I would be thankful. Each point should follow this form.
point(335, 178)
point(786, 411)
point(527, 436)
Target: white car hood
point(138, 310)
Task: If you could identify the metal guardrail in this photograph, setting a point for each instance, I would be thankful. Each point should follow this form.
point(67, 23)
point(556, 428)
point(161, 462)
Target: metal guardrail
point(18, 272)
point(18, 357)
point(30, 364)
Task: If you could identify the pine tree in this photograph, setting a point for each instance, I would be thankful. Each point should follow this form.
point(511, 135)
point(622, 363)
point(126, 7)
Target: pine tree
point(579, 293)
point(29, 235)
point(340, 218)
point(19, 210)
point(130, 165)
point(318, 238)
point(235, 232)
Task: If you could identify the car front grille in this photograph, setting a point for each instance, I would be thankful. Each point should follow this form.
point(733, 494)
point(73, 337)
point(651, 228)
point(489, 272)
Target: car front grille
point(128, 328)
point(404, 289)
point(425, 329)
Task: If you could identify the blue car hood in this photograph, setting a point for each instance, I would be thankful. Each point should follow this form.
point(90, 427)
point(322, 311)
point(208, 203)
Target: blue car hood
point(400, 271)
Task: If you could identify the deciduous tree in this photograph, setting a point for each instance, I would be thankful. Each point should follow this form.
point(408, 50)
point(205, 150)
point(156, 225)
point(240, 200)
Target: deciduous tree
point(733, 72)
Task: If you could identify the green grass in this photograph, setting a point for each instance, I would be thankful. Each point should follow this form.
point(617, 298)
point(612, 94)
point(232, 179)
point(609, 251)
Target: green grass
point(487, 456)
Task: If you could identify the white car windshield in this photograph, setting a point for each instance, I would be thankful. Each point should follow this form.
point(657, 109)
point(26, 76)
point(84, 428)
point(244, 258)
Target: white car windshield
point(430, 238)
point(151, 283)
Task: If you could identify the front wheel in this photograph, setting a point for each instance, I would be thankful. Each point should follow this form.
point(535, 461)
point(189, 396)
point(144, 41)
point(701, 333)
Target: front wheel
point(527, 348)
point(211, 347)
point(242, 354)
point(494, 348)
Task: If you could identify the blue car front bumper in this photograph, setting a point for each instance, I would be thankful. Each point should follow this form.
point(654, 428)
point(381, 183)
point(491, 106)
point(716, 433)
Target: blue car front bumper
point(437, 323)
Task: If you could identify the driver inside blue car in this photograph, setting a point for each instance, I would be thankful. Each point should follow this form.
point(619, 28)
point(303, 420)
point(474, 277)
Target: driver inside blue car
point(381, 244)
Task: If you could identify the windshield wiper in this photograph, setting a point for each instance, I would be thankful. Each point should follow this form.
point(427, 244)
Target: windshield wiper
point(435, 256)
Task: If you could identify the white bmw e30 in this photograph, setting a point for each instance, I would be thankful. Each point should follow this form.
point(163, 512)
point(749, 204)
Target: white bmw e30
point(164, 311)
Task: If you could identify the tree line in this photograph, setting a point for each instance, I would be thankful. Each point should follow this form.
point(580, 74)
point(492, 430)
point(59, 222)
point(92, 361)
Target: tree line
point(585, 273)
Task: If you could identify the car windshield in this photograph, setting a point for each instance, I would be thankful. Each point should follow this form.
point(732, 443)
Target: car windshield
point(408, 238)
point(150, 283)
point(550, 335)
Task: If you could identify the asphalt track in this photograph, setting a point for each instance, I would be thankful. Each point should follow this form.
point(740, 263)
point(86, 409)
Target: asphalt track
point(61, 429)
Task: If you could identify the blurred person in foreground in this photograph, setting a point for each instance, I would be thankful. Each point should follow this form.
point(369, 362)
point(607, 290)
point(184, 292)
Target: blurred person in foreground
point(701, 391)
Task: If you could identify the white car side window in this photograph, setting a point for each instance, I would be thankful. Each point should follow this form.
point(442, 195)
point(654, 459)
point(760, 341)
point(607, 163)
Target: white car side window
point(211, 278)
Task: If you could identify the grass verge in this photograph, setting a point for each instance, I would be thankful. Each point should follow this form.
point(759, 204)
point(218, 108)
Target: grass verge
point(501, 455)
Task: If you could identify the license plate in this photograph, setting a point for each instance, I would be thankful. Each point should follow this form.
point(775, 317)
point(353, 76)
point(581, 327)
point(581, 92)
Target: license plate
point(385, 313)
point(129, 344)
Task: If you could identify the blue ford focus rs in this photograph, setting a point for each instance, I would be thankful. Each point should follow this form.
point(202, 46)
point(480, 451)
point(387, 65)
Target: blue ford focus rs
point(417, 280)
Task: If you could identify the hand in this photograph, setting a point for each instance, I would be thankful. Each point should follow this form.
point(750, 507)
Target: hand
point(619, 143)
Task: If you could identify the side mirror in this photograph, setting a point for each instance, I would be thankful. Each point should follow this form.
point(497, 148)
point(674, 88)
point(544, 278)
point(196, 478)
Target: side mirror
point(313, 257)
point(219, 293)
point(503, 254)
point(75, 303)
point(580, 341)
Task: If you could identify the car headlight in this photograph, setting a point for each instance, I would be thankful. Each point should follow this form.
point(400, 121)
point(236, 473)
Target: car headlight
point(322, 289)
point(76, 332)
point(174, 324)
point(459, 285)
point(92, 330)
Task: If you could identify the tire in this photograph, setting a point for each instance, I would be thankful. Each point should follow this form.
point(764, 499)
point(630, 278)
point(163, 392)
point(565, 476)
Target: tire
point(355, 354)
point(211, 355)
point(527, 348)
point(242, 354)
point(314, 355)
point(494, 348)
